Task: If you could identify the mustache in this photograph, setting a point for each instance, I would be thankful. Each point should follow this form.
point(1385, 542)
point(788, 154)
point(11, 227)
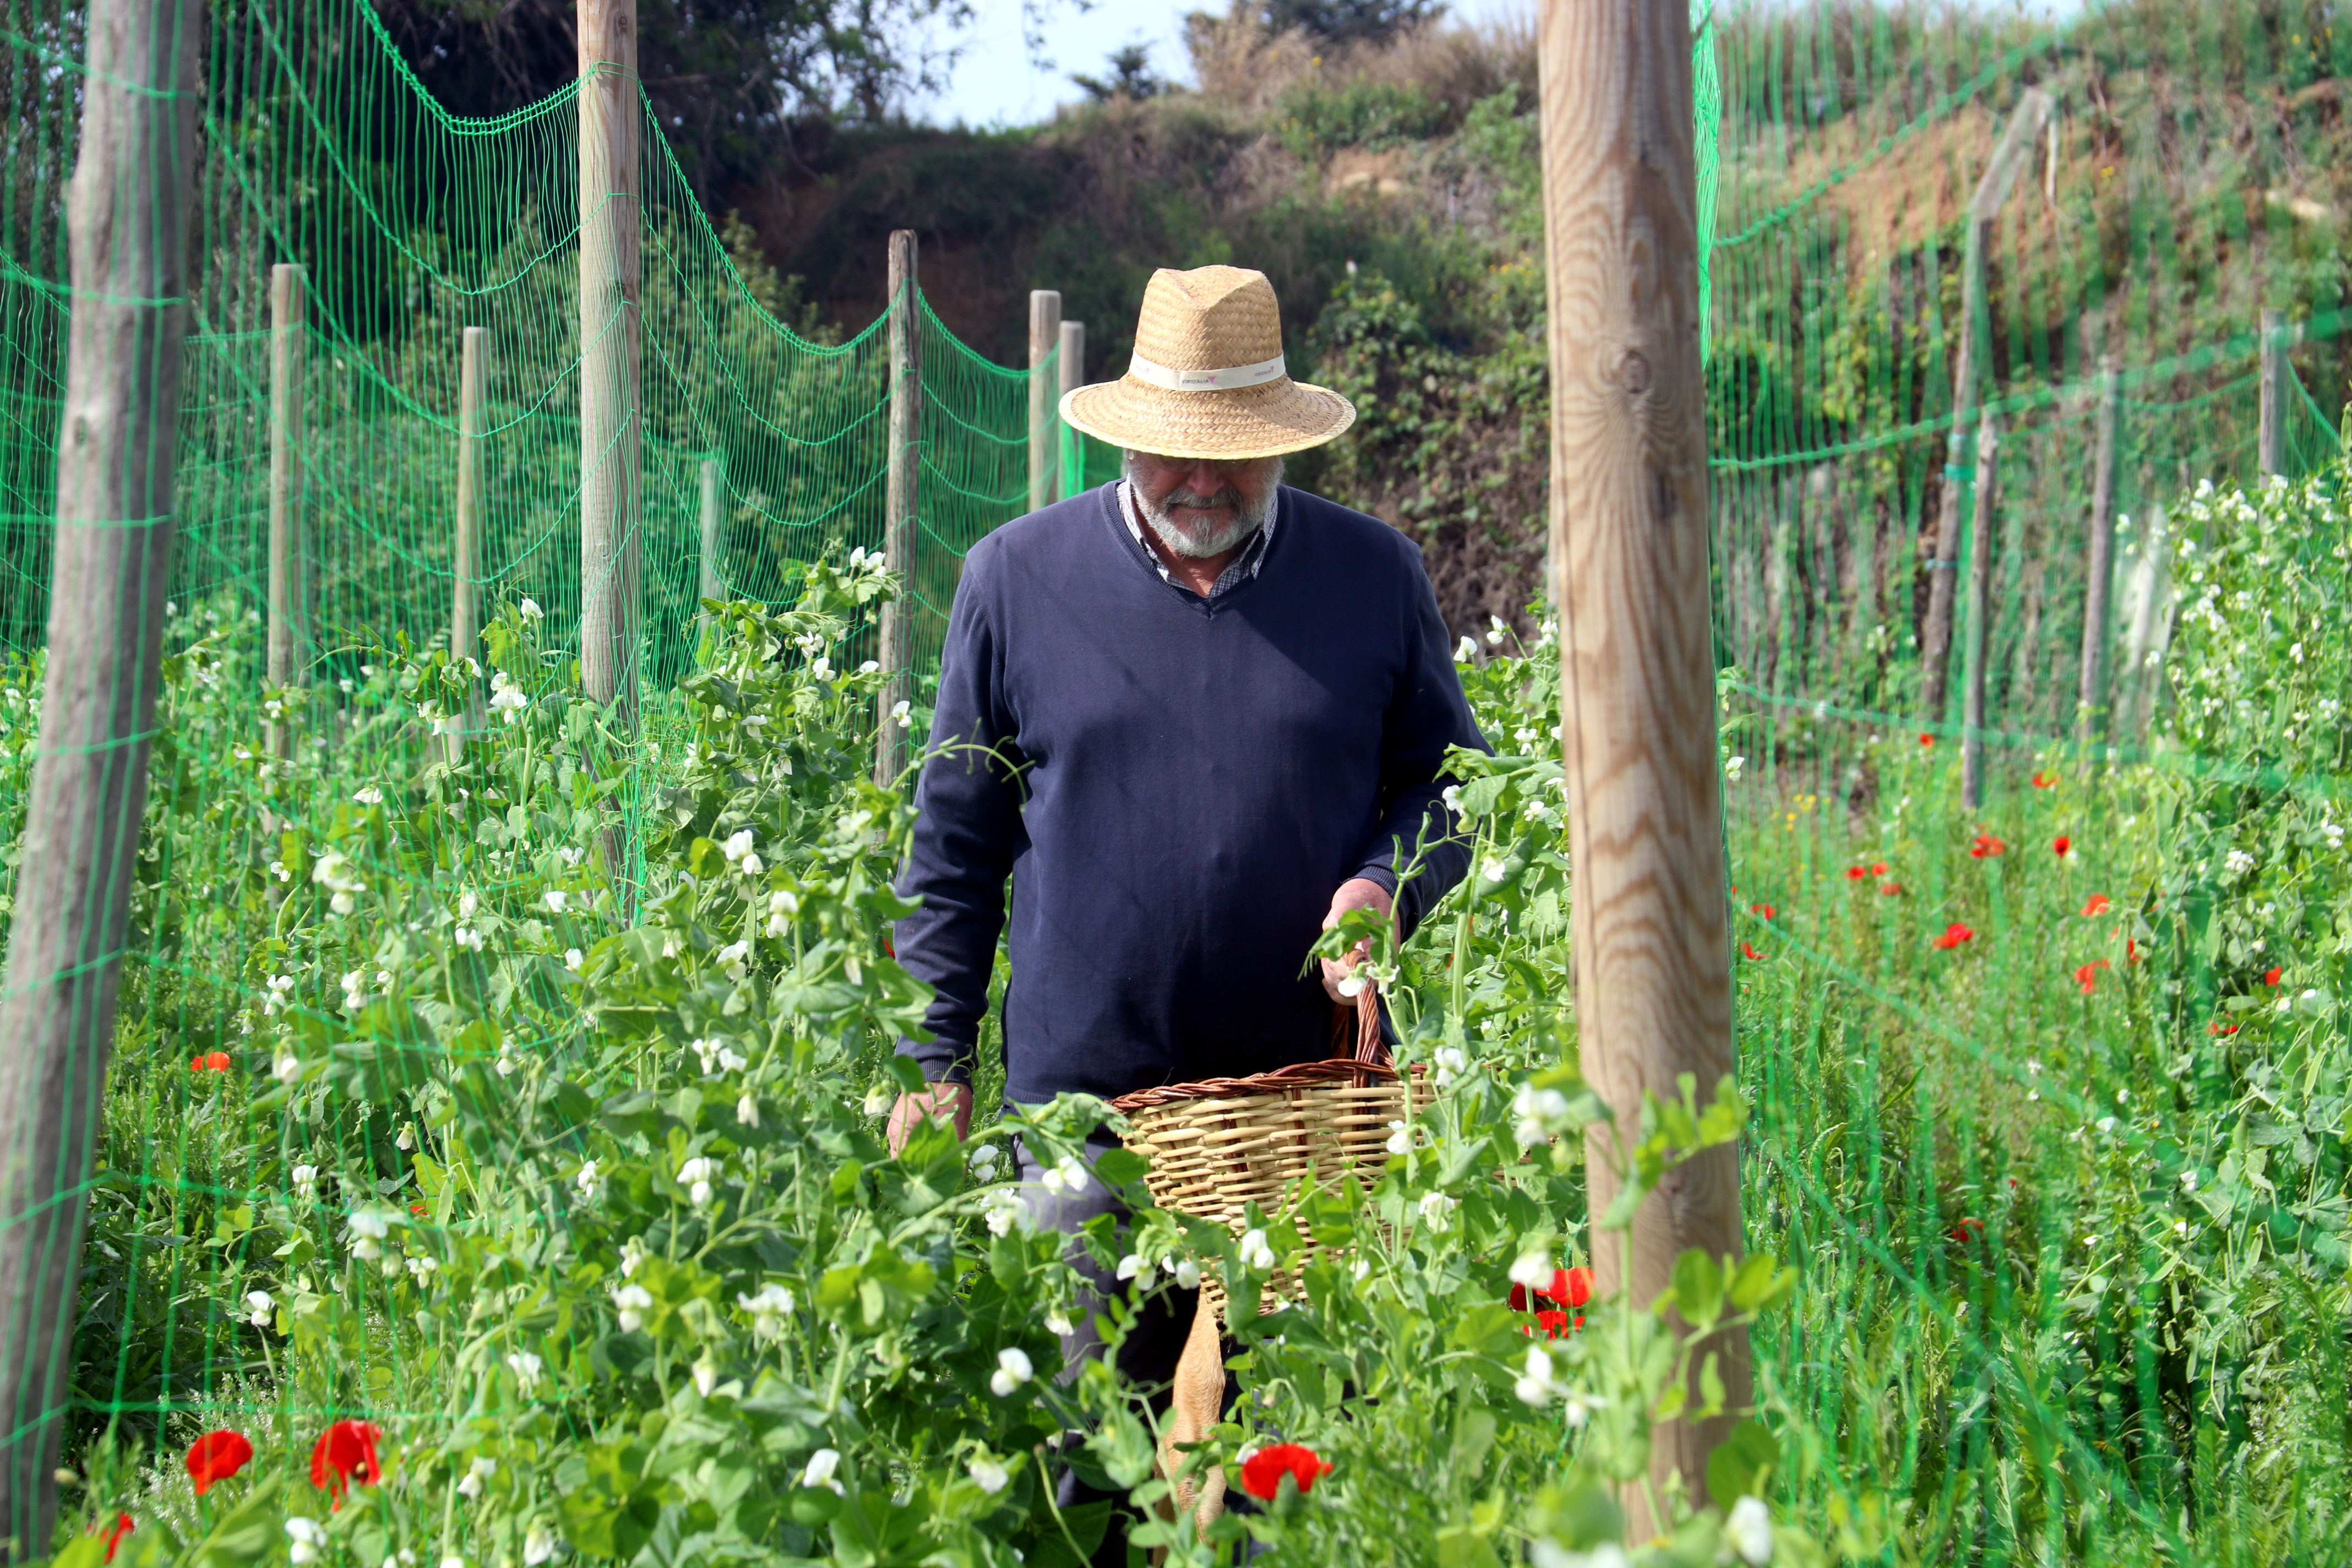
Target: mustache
point(1229, 497)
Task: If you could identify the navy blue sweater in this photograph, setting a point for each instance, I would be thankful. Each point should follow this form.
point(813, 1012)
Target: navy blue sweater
point(1175, 788)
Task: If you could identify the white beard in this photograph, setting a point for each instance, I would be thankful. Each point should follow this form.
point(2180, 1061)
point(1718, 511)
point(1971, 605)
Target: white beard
point(1200, 540)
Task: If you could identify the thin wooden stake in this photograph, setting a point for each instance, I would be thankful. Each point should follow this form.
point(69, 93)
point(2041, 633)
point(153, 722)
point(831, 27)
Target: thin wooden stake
point(289, 543)
point(465, 555)
point(2271, 445)
point(1972, 707)
point(1629, 523)
point(891, 739)
point(127, 217)
point(1072, 362)
point(610, 223)
point(2016, 143)
point(710, 587)
point(2091, 704)
point(1044, 336)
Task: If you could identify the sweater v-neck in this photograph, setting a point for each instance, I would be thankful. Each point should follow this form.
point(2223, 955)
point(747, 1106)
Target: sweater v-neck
point(1135, 549)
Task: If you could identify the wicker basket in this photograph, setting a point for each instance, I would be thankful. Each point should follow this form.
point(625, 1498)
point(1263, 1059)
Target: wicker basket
point(1219, 1145)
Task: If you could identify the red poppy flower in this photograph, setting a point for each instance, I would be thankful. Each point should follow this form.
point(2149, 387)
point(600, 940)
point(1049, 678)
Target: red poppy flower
point(1967, 1231)
point(2221, 1028)
point(217, 1061)
point(889, 944)
point(216, 1455)
point(1986, 844)
point(2085, 975)
point(1926, 739)
point(2095, 906)
point(2131, 951)
point(1262, 1472)
point(1555, 1324)
point(197, 1065)
point(1571, 1287)
point(1767, 910)
point(1954, 934)
point(1750, 954)
point(345, 1453)
point(2271, 977)
point(122, 1527)
point(1518, 1297)
point(1856, 874)
point(2061, 846)
point(1892, 890)
point(1879, 869)
point(2044, 781)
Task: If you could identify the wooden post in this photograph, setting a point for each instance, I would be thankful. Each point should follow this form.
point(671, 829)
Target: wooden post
point(465, 555)
point(1044, 336)
point(1072, 362)
point(1629, 527)
point(127, 217)
point(610, 221)
point(708, 585)
point(2271, 446)
point(1972, 701)
point(905, 454)
point(2099, 578)
point(2016, 143)
point(289, 544)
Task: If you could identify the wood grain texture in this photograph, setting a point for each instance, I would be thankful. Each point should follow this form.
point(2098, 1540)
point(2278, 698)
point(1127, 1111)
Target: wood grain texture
point(126, 212)
point(892, 745)
point(611, 217)
point(466, 548)
point(289, 543)
point(2091, 702)
point(1044, 337)
point(1629, 521)
point(1972, 701)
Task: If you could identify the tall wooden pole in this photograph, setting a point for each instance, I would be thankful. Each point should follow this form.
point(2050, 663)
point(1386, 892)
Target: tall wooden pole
point(127, 214)
point(1072, 362)
point(1044, 337)
point(2271, 445)
point(289, 544)
point(2099, 576)
point(1972, 707)
point(905, 470)
point(708, 586)
point(2008, 158)
point(610, 220)
point(1629, 527)
point(466, 552)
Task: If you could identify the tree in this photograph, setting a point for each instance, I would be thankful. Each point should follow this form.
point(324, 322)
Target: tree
point(1132, 76)
point(1350, 21)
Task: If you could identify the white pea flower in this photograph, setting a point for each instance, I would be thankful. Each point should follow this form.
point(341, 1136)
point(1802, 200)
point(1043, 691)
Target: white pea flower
point(1748, 1530)
point(1351, 986)
point(1067, 1175)
point(262, 1304)
point(529, 609)
point(902, 714)
point(573, 959)
point(1532, 1270)
point(871, 667)
point(783, 901)
point(732, 958)
point(821, 668)
point(1465, 652)
point(585, 1179)
point(879, 1099)
point(988, 1475)
point(453, 1560)
point(556, 899)
point(1186, 1271)
point(746, 1110)
point(635, 1302)
point(697, 1176)
point(2236, 864)
point(306, 1181)
point(1004, 1211)
point(738, 845)
point(371, 796)
point(480, 1470)
point(1452, 1061)
point(1058, 1323)
point(1495, 630)
point(768, 1309)
point(506, 699)
point(1399, 1137)
point(1540, 1113)
point(1495, 869)
point(1012, 1370)
point(1362, 1269)
point(752, 866)
point(1137, 1268)
point(528, 1369)
point(1452, 796)
point(407, 1142)
point(984, 1162)
point(538, 1544)
point(633, 1252)
point(821, 1467)
point(421, 1268)
point(1436, 1210)
point(1733, 767)
point(306, 1534)
point(1535, 1385)
point(467, 937)
point(2106, 1124)
point(1256, 1252)
point(706, 1376)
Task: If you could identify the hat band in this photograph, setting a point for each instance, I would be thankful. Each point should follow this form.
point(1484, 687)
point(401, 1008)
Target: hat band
point(1256, 374)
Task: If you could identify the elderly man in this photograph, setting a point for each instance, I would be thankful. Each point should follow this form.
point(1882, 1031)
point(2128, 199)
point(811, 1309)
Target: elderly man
point(1193, 718)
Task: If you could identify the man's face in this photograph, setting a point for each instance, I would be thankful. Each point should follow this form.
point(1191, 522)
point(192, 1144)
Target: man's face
point(1200, 508)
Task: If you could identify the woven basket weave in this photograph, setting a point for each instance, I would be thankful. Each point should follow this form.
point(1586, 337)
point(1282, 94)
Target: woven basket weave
point(1217, 1146)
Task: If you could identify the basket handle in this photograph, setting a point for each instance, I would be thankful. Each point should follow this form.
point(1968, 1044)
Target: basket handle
point(1367, 1049)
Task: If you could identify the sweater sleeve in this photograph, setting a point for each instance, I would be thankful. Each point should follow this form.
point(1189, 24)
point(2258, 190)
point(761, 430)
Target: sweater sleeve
point(1428, 715)
point(967, 832)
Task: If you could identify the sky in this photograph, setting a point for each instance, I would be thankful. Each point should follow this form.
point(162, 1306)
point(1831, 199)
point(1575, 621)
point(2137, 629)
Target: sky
point(993, 82)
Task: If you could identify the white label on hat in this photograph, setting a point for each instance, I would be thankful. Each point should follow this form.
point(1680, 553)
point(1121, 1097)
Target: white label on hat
point(1206, 380)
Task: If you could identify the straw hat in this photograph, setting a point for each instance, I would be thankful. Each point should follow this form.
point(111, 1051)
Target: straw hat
point(1207, 379)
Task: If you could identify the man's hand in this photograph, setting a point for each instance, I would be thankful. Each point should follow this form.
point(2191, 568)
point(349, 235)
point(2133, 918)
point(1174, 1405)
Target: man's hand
point(940, 1102)
point(1355, 893)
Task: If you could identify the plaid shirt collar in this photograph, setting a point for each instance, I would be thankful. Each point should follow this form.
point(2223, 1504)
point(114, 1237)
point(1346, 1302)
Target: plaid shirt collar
point(1242, 567)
